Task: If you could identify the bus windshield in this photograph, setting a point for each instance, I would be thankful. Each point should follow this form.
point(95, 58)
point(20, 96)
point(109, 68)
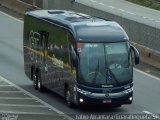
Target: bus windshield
point(104, 63)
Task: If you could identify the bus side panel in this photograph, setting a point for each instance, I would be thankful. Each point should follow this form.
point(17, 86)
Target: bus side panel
point(28, 55)
point(34, 46)
point(53, 60)
point(58, 60)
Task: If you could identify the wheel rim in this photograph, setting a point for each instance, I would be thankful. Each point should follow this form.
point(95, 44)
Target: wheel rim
point(39, 84)
point(34, 80)
point(68, 97)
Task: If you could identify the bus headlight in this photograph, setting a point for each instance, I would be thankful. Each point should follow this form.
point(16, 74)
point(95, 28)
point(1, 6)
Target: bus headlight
point(128, 90)
point(81, 100)
point(83, 91)
point(130, 98)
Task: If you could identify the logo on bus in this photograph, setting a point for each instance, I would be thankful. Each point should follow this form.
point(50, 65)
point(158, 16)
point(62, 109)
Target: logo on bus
point(107, 91)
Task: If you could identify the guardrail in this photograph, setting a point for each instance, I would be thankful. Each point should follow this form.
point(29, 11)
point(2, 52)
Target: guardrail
point(17, 5)
point(38, 3)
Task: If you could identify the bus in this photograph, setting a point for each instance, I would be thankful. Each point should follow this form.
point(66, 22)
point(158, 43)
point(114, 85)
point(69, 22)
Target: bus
point(85, 59)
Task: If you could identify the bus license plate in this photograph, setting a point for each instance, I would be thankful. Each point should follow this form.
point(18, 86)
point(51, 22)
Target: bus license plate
point(107, 101)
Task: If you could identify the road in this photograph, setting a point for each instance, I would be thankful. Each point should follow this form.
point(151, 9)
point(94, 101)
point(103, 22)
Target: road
point(18, 104)
point(146, 87)
point(126, 9)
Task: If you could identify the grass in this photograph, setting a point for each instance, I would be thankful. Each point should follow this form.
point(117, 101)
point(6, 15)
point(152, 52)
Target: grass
point(148, 3)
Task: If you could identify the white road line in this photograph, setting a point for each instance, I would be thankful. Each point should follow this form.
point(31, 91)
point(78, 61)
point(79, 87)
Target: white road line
point(93, 1)
point(16, 98)
point(122, 10)
point(153, 115)
point(101, 3)
point(130, 12)
point(23, 113)
point(151, 19)
point(144, 17)
point(111, 7)
point(11, 92)
point(5, 85)
point(11, 17)
point(36, 98)
point(149, 75)
point(22, 105)
point(157, 20)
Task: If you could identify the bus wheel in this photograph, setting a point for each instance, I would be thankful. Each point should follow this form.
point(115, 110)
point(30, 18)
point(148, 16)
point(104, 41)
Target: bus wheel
point(68, 98)
point(35, 82)
point(32, 72)
point(39, 82)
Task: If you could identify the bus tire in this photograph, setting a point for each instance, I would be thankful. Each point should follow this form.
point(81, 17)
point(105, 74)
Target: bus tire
point(35, 82)
point(32, 72)
point(68, 98)
point(39, 82)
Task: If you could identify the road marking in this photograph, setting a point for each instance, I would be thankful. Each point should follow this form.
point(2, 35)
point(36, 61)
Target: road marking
point(157, 20)
point(130, 12)
point(5, 85)
point(144, 17)
point(16, 98)
point(152, 76)
point(111, 7)
point(151, 19)
point(19, 105)
point(101, 3)
point(36, 98)
point(122, 10)
point(11, 17)
point(93, 1)
point(11, 92)
point(23, 113)
point(153, 115)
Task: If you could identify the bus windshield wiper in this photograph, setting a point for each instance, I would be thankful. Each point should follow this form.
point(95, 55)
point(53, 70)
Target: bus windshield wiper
point(96, 72)
point(108, 71)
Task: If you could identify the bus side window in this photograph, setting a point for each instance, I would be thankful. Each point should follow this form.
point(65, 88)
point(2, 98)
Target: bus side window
point(71, 44)
point(43, 44)
point(44, 39)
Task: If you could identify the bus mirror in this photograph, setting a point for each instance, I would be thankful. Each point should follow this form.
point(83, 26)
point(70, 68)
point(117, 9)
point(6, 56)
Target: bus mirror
point(136, 55)
point(73, 54)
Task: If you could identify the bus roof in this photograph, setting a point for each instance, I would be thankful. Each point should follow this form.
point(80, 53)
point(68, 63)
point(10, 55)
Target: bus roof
point(84, 26)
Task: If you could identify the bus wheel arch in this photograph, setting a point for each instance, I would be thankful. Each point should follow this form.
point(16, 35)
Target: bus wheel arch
point(68, 95)
point(34, 75)
point(32, 72)
point(39, 80)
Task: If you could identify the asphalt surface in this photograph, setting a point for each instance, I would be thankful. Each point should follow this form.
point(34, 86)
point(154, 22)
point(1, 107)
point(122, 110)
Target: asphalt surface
point(127, 10)
point(17, 104)
point(146, 87)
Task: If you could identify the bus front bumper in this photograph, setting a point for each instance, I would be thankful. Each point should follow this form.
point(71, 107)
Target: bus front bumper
point(102, 99)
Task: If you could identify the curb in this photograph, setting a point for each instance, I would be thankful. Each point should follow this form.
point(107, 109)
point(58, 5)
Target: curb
point(17, 6)
point(148, 56)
